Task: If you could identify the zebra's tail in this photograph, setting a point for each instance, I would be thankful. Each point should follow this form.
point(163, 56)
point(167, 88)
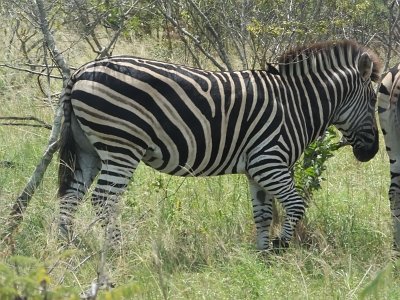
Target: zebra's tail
point(67, 154)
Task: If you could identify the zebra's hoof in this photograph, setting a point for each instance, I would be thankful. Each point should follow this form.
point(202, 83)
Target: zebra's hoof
point(66, 236)
point(64, 232)
point(279, 245)
point(264, 256)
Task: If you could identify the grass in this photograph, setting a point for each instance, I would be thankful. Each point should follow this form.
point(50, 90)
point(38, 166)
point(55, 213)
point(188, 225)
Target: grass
point(187, 238)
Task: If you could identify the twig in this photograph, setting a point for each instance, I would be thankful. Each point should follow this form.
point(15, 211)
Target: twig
point(351, 294)
point(26, 125)
point(41, 123)
point(23, 199)
point(30, 71)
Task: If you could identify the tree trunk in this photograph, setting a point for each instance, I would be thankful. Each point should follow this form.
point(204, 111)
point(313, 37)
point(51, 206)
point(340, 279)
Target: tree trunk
point(34, 181)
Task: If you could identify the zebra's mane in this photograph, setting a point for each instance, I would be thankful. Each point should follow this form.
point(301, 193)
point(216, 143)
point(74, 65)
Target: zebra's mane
point(303, 55)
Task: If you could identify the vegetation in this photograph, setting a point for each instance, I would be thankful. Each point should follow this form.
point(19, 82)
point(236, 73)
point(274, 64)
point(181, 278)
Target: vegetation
point(186, 238)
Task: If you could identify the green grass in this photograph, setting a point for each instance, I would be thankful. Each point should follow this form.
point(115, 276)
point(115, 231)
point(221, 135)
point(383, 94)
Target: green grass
point(194, 238)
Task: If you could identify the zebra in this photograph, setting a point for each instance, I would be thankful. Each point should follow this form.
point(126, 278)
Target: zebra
point(186, 121)
point(388, 111)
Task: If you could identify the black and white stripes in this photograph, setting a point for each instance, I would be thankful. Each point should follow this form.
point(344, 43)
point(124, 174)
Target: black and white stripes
point(190, 122)
point(388, 109)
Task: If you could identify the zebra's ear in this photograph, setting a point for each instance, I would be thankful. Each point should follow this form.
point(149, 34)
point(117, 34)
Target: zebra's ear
point(365, 66)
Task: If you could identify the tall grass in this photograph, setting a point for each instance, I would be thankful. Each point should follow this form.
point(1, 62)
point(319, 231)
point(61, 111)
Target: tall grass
point(187, 238)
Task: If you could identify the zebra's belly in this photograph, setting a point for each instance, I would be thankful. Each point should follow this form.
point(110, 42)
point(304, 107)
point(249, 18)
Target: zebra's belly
point(155, 159)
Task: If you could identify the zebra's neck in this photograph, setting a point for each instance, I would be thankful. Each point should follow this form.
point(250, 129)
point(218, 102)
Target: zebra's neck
point(310, 103)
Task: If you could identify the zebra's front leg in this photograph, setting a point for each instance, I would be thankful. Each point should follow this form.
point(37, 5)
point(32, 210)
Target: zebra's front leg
point(262, 213)
point(278, 183)
point(294, 208)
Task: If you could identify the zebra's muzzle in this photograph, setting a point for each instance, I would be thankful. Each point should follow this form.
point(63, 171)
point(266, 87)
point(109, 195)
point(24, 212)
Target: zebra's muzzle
point(366, 152)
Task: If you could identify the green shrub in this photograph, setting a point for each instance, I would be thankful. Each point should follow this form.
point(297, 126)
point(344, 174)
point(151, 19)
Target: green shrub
point(308, 171)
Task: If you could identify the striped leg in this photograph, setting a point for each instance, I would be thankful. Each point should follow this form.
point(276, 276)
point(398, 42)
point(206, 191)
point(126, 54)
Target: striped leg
point(111, 183)
point(279, 183)
point(88, 165)
point(262, 212)
point(394, 197)
point(294, 208)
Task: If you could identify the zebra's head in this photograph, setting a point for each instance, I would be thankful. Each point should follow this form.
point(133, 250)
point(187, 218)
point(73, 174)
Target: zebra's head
point(355, 118)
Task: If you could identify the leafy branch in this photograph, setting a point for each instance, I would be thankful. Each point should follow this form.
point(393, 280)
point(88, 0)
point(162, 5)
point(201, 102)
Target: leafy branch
point(308, 171)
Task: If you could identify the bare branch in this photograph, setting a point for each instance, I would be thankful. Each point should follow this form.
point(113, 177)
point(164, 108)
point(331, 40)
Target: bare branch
point(57, 56)
point(30, 71)
point(40, 122)
point(217, 39)
point(34, 181)
point(195, 40)
point(106, 50)
point(392, 27)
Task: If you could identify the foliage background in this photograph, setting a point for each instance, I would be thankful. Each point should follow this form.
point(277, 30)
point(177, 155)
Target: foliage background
point(191, 238)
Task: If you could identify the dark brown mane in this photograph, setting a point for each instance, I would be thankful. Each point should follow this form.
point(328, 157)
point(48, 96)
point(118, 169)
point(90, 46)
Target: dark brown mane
point(300, 53)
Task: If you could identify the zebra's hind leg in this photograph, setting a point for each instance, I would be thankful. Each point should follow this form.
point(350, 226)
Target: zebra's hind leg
point(73, 190)
point(111, 183)
point(262, 212)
